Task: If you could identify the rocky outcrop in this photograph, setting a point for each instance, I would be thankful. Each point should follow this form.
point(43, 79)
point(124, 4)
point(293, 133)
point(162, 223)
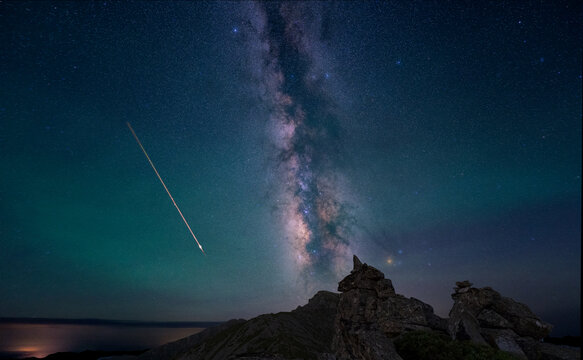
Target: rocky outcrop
point(363, 321)
point(370, 313)
point(485, 317)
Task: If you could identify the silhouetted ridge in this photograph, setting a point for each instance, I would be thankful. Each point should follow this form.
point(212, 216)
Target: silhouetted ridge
point(365, 321)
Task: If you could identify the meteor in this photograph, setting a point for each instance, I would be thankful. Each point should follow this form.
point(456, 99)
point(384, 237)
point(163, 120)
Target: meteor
point(163, 184)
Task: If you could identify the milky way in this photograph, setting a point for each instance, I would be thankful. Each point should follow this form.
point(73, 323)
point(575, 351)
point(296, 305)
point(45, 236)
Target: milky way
point(288, 57)
point(438, 141)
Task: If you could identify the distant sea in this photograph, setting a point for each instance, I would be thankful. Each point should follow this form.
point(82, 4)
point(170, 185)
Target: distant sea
point(20, 338)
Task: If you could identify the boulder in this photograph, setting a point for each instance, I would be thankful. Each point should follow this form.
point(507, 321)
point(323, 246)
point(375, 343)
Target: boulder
point(491, 319)
point(505, 340)
point(366, 342)
point(524, 321)
point(462, 325)
point(485, 317)
point(462, 284)
point(491, 310)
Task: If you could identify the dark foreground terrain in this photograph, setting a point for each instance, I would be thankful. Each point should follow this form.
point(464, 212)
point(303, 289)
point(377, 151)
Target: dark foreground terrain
point(369, 320)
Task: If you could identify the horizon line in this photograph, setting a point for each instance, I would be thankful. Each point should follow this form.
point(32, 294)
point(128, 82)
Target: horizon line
point(107, 322)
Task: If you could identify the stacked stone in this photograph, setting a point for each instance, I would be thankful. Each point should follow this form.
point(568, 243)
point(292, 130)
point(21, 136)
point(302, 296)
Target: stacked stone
point(370, 314)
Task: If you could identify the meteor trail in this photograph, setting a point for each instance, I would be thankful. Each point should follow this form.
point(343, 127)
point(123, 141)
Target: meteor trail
point(163, 184)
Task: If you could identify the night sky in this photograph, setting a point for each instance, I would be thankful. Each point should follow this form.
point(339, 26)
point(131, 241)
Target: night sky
point(439, 141)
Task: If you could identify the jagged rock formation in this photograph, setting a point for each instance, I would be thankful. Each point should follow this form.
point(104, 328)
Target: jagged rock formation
point(363, 321)
point(485, 317)
point(370, 313)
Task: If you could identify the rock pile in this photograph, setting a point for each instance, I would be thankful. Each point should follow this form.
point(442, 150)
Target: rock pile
point(485, 317)
point(370, 313)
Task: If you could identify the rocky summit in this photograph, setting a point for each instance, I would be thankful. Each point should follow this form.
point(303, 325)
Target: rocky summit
point(485, 317)
point(367, 319)
point(370, 313)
